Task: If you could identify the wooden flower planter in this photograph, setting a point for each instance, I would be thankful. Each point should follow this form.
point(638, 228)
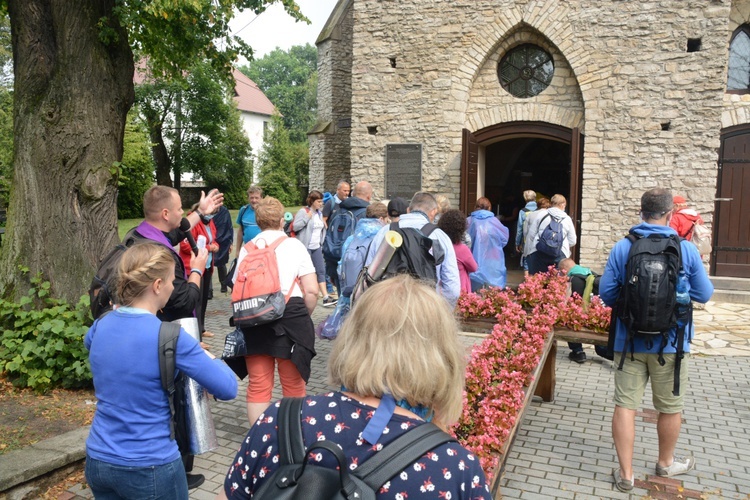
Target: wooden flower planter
point(549, 346)
point(543, 378)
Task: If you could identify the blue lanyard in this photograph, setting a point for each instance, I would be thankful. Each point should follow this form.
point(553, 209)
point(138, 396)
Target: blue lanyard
point(380, 419)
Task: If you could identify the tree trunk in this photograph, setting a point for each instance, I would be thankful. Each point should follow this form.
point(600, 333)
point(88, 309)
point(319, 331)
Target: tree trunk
point(72, 95)
point(161, 155)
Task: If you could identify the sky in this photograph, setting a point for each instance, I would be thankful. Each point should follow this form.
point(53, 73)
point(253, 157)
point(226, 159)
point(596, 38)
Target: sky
point(275, 28)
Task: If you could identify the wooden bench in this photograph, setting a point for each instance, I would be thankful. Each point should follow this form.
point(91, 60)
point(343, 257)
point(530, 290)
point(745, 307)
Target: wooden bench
point(545, 387)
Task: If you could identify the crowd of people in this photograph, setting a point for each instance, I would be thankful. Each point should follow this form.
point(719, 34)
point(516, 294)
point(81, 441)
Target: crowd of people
point(401, 328)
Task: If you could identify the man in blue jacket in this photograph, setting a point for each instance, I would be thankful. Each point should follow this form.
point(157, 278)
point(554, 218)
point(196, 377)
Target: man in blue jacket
point(630, 382)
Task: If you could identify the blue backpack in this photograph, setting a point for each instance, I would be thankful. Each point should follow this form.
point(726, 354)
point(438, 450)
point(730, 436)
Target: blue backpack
point(341, 225)
point(551, 240)
point(352, 263)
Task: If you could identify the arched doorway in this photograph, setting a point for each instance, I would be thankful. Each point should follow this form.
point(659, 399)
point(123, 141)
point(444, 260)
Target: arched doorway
point(503, 160)
point(731, 249)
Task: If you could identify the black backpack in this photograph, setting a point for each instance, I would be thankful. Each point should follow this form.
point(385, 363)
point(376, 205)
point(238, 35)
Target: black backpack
point(647, 304)
point(102, 291)
point(298, 479)
point(551, 240)
point(413, 256)
point(175, 389)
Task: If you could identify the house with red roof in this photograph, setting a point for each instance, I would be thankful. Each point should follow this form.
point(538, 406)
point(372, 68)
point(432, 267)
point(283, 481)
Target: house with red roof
point(255, 110)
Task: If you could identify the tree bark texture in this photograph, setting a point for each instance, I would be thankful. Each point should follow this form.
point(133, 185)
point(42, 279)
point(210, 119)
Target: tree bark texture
point(161, 155)
point(72, 94)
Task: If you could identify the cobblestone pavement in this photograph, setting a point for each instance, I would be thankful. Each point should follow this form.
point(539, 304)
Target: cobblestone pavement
point(564, 448)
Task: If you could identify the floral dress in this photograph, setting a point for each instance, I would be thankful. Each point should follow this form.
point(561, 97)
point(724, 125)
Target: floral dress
point(447, 472)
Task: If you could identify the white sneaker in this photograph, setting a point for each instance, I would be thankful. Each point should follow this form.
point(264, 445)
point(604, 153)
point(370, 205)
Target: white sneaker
point(680, 465)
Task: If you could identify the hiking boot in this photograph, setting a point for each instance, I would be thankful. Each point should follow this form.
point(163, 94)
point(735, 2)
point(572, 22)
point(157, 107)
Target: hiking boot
point(680, 465)
point(329, 301)
point(194, 480)
point(224, 289)
point(577, 356)
point(624, 485)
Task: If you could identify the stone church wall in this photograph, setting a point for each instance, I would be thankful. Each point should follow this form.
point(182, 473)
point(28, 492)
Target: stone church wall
point(330, 158)
point(650, 111)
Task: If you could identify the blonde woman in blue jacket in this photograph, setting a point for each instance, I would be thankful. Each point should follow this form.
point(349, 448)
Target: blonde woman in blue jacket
point(129, 451)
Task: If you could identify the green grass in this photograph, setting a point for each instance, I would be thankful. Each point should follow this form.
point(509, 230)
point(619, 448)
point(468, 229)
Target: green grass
point(125, 225)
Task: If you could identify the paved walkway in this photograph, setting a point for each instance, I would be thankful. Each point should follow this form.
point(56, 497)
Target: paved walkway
point(564, 449)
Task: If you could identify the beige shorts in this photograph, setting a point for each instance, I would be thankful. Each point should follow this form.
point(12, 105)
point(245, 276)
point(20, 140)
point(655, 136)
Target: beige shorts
point(630, 382)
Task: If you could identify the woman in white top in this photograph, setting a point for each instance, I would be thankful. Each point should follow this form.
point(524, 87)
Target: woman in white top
point(288, 342)
point(310, 229)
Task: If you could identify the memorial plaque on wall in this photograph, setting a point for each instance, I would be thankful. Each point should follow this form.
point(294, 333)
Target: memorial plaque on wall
point(403, 170)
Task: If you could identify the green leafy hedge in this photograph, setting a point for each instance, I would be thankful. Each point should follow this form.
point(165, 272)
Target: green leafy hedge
point(41, 345)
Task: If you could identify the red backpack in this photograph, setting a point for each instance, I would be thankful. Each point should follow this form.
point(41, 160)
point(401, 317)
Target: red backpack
point(256, 296)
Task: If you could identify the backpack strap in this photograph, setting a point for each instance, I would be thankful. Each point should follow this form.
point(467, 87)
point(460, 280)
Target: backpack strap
point(242, 211)
point(168, 335)
point(401, 453)
point(539, 226)
point(428, 228)
point(622, 307)
point(291, 443)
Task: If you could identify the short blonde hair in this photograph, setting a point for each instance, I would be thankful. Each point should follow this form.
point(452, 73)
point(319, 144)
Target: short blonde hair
point(268, 213)
point(401, 338)
point(529, 195)
point(156, 199)
point(444, 204)
point(558, 200)
point(141, 265)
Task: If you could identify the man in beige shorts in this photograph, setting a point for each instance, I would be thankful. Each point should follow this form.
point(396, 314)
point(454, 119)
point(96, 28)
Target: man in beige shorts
point(645, 359)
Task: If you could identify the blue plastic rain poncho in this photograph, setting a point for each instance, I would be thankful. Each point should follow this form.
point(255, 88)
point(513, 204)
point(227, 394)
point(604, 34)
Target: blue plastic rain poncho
point(488, 237)
point(354, 251)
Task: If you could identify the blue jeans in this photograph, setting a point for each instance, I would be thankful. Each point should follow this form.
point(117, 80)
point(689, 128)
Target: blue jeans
point(109, 481)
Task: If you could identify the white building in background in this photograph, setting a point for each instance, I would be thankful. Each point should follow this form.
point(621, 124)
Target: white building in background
point(256, 111)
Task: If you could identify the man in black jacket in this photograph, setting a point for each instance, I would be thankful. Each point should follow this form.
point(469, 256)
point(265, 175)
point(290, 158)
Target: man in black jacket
point(163, 212)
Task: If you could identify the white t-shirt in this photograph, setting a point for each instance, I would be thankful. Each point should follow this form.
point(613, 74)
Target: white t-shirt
point(316, 222)
point(291, 256)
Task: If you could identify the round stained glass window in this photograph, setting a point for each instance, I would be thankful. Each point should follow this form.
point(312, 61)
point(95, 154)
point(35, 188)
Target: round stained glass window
point(526, 70)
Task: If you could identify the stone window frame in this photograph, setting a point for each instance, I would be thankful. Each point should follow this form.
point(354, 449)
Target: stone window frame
point(742, 29)
point(551, 60)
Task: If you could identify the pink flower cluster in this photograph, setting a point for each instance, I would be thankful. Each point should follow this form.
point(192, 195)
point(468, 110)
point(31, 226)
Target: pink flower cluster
point(548, 290)
point(501, 366)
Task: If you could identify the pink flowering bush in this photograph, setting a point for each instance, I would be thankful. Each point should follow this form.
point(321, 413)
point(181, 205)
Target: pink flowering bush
point(550, 290)
point(500, 367)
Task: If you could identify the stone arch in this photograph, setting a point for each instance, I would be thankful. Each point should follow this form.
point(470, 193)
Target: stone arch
point(532, 112)
point(548, 17)
point(488, 103)
point(736, 109)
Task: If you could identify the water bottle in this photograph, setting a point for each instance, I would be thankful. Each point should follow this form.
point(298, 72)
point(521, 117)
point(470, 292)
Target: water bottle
point(201, 242)
point(683, 287)
point(288, 217)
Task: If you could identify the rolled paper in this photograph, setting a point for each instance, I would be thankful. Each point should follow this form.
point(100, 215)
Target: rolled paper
point(379, 264)
point(200, 421)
